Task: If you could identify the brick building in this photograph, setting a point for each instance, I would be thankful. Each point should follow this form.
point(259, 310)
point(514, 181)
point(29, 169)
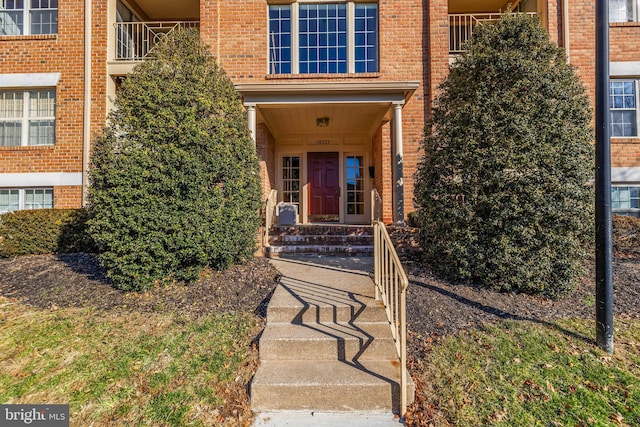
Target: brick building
point(336, 92)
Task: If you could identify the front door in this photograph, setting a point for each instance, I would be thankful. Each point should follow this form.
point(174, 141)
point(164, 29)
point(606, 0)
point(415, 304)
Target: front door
point(324, 186)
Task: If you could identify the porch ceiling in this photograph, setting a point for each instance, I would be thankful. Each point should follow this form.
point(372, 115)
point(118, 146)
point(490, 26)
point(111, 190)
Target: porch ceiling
point(343, 118)
point(478, 6)
point(161, 10)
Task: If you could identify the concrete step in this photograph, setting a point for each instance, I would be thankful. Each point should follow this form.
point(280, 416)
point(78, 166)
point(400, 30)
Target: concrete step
point(314, 250)
point(300, 302)
point(322, 240)
point(327, 341)
point(327, 386)
point(322, 230)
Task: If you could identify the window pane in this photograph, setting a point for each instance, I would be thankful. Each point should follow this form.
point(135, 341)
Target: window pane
point(621, 10)
point(42, 132)
point(322, 29)
point(366, 38)
point(44, 22)
point(623, 104)
point(10, 134)
point(9, 200)
point(11, 104)
point(38, 198)
point(42, 103)
point(11, 23)
point(280, 39)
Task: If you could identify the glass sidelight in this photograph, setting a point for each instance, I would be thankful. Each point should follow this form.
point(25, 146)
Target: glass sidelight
point(291, 179)
point(355, 185)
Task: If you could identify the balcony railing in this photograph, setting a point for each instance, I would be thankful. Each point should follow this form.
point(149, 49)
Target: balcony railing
point(135, 40)
point(461, 26)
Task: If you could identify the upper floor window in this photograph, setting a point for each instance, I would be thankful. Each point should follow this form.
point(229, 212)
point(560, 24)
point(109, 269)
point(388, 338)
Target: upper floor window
point(23, 17)
point(623, 102)
point(312, 38)
point(623, 10)
point(27, 117)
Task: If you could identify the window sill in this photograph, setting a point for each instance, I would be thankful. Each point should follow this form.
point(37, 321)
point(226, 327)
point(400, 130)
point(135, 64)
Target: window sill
point(323, 76)
point(624, 24)
point(625, 140)
point(27, 147)
point(30, 37)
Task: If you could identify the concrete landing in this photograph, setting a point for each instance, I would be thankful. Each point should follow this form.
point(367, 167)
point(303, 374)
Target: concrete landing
point(326, 419)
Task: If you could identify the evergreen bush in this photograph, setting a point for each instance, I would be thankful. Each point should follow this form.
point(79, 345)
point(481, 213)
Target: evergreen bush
point(44, 231)
point(175, 177)
point(503, 190)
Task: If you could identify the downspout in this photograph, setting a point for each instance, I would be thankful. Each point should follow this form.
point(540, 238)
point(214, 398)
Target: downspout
point(86, 142)
point(565, 29)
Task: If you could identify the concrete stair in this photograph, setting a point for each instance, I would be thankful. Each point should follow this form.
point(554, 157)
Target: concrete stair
point(327, 345)
point(328, 240)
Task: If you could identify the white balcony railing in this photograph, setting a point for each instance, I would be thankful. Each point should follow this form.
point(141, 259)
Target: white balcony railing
point(135, 40)
point(461, 26)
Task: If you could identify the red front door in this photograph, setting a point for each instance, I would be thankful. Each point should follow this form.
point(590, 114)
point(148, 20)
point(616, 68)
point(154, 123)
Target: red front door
point(324, 186)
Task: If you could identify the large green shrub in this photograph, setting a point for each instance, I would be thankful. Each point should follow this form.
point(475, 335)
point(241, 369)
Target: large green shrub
point(502, 191)
point(44, 231)
point(175, 178)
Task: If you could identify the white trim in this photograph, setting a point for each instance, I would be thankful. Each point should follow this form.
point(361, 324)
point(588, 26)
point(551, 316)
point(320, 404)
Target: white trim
point(624, 69)
point(624, 175)
point(45, 179)
point(26, 80)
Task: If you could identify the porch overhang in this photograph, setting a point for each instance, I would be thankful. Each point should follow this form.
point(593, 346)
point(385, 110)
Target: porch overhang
point(326, 92)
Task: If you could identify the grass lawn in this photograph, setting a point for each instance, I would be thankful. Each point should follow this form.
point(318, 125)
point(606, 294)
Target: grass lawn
point(533, 374)
point(128, 369)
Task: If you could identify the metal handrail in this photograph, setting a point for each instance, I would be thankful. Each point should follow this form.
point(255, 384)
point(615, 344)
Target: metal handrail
point(461, 26)
point(135, 40)
point(391, 287)
point(269, 214)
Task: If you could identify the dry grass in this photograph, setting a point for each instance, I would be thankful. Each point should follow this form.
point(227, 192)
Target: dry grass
point(128, 368)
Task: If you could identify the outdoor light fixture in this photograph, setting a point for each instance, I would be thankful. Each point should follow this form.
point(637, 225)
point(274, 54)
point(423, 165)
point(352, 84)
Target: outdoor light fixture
point(322, 122)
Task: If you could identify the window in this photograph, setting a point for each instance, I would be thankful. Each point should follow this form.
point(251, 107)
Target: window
point(29, 198)
point(623, 102)
point(625, 200)
point(623, 10)
point(27, 118)
point(355, 185)
point(340, 37)
point(291, 180)
point(22, 17)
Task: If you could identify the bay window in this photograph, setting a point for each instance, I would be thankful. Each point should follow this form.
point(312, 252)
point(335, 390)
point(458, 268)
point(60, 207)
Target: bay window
point(323, 38)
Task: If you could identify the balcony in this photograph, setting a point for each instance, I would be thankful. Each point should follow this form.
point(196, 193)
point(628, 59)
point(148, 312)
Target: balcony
point(461, 26)
point(135, 40)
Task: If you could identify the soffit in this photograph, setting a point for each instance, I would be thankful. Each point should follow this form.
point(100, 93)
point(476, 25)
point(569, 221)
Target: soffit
point(477, 6)
point(170, 10)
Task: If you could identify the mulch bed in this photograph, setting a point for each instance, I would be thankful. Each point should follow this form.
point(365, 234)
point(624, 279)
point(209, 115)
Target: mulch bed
point(76, 280)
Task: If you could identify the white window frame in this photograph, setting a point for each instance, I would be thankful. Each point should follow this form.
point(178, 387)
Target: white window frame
point(22, 194)
point(633, 13)
point(295, 33)
point(26, 17)
point(632, 211)
point(636, 83)
point(26, 118)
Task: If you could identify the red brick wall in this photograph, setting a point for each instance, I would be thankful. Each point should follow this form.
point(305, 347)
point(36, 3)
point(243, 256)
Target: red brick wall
point(63, 53)
point(266, 148)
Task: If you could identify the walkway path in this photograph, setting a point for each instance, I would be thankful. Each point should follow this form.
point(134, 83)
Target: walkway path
point(327, 357)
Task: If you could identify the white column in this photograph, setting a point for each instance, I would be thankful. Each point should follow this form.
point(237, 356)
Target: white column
point(398, 169)
point(251, 119)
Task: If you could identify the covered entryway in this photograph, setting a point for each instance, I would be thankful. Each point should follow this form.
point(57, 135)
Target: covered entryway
point(324, 147)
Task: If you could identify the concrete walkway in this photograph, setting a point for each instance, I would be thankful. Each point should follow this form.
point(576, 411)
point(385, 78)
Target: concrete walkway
point(302, 381)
